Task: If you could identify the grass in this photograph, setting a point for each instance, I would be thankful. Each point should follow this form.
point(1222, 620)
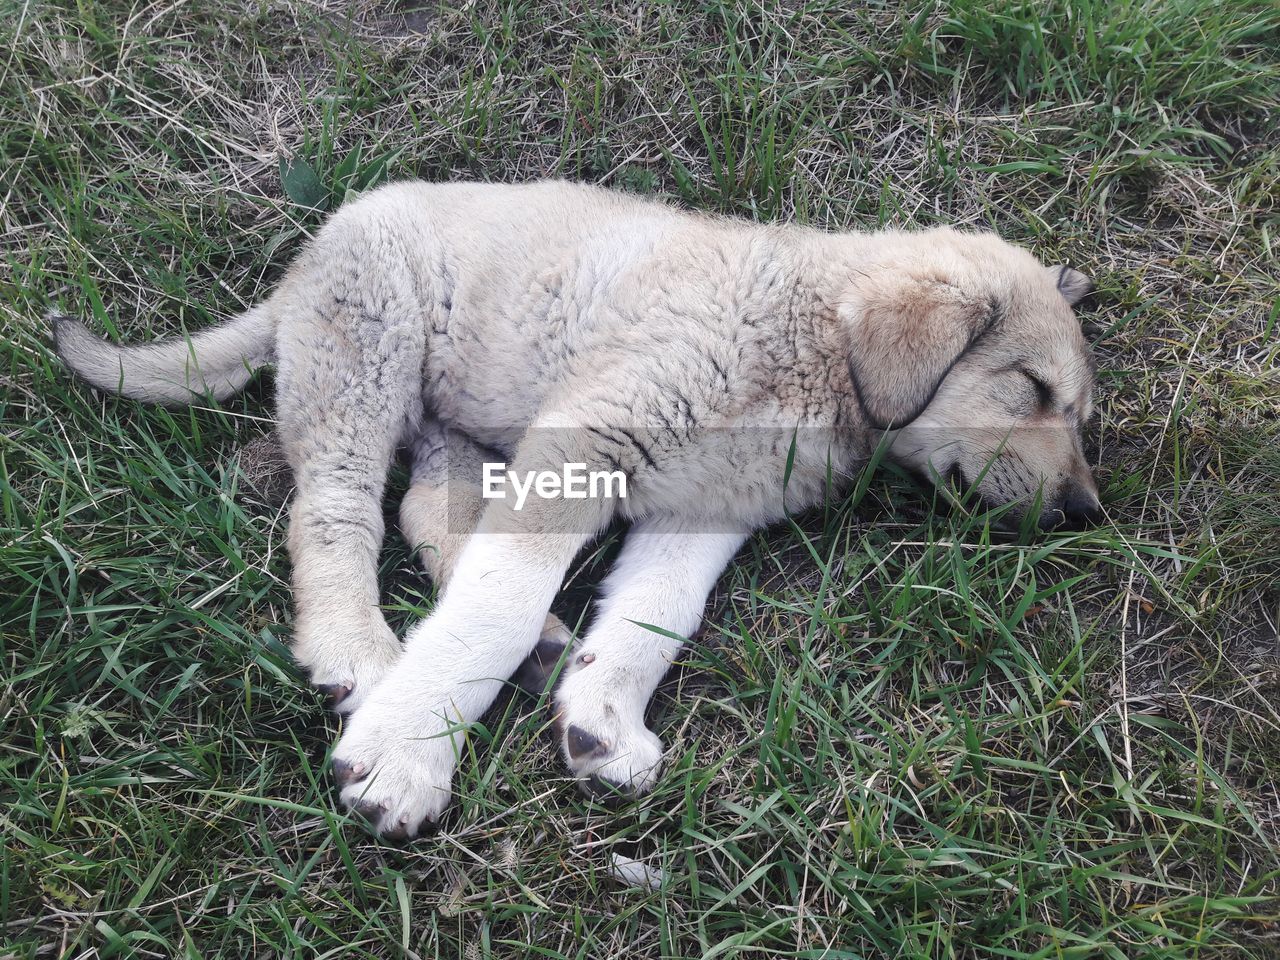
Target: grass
point(899, 736)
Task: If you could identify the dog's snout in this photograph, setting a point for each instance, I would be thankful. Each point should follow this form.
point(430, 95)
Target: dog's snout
point(1077, 509)
point(1081, 508)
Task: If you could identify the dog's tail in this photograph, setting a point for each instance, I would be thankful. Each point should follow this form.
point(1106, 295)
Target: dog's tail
point(212, 363)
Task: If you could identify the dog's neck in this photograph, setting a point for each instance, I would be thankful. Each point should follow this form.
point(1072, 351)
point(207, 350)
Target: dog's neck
point(815, 338)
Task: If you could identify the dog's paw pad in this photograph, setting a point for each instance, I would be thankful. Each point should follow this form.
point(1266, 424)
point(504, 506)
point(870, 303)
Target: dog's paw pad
point(579, 744)
point(624, 763)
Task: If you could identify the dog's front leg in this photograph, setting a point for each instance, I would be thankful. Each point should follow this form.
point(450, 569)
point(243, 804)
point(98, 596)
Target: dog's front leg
point(661, 580)
point(396, 758)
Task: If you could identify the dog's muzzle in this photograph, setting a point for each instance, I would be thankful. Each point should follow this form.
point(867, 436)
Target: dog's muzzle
point(1076, 509)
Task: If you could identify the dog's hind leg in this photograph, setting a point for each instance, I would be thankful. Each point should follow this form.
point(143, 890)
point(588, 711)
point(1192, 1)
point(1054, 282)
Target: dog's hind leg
point(443, 505)
point(441, 510)
point(349, 388)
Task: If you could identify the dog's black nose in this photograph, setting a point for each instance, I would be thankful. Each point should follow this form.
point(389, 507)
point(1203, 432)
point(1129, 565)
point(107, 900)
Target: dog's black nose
point(1079, 508)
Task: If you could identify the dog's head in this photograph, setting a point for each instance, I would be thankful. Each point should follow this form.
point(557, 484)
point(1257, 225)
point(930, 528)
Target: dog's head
point(966, 350)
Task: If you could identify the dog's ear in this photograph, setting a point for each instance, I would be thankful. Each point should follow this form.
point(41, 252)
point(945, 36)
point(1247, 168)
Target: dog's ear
point(905, 335)
point(1072, 284)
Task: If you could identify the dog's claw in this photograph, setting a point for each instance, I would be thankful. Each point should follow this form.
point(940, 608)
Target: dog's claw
point(345, 772)
point(334, 693)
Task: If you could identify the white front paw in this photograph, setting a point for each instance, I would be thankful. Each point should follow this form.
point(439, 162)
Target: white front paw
point(395, 764)
point(604, 742)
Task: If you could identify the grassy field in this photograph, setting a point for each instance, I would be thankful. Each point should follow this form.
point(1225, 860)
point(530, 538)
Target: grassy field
point(899, 736)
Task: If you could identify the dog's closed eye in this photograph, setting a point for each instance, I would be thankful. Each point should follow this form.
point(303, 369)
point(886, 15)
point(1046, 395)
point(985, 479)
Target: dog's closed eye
point(1044, 392)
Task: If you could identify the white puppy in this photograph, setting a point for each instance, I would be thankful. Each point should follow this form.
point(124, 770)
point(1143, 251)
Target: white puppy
point(726, 370)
